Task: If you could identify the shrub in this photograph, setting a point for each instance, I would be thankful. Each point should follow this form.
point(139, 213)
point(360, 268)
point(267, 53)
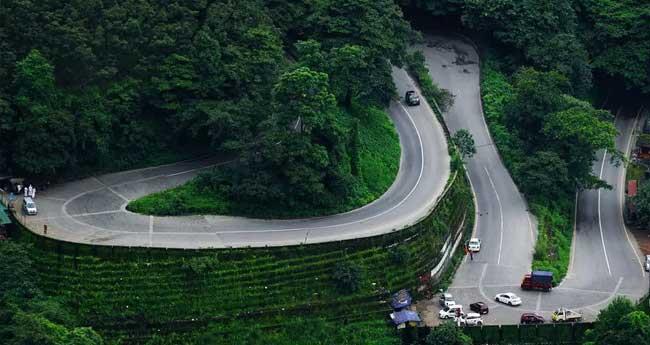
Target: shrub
point(347, 276)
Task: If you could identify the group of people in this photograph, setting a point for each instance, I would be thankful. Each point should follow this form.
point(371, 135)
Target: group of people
point(28, 191)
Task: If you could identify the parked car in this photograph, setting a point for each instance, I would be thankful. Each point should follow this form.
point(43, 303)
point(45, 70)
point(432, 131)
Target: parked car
point(445, 299)
point(531, 318)
point(412, 98)
point(451, 311)
point(471, 319)
point(474, 245)
point(646, 265)
point(566, 315)
point(508, 298)
point(29, 206)
point(479, 307)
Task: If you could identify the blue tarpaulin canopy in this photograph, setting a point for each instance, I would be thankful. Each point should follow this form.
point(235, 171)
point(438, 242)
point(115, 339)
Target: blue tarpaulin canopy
point(400, 317)
point(401, 299)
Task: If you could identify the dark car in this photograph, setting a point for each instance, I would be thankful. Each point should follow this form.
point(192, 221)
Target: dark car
point(479, 307)
point(530, 318)
point(412, 98)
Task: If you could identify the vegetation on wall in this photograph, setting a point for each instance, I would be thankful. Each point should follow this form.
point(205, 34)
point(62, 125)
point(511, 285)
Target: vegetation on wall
point(134, 294)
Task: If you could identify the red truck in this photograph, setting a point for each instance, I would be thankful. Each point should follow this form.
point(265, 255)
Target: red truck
point(538, 280)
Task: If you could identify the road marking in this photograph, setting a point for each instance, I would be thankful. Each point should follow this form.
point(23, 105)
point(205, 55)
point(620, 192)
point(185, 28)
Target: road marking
point(539, 301)
point(91, 213)
point(112, 190)
point(500, 215)
point(476, 211)
point(574, 240)
point(530, 227)
point(150, 231)
point(600, 221)
point(622, 192)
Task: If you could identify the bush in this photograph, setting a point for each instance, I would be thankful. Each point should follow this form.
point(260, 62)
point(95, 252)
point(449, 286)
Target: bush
point(347, 276)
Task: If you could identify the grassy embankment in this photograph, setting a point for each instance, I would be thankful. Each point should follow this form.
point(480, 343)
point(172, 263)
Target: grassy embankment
point(379, 155)
point(136, 293)
point(553, 248)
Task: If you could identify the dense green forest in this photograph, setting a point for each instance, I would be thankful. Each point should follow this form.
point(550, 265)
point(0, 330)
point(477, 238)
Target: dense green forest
point(105, 85)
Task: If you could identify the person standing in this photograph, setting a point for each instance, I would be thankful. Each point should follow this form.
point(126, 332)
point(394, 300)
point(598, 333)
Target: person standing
point(34, 193)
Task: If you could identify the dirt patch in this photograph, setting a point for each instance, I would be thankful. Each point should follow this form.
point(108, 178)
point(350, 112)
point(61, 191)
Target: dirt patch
point(428, 309)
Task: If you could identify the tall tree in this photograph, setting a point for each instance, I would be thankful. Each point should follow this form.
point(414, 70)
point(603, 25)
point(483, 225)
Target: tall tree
point(44, 131)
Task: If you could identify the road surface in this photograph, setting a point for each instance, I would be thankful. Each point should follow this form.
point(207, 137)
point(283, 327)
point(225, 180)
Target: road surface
point(94, 211)
point(508, 231)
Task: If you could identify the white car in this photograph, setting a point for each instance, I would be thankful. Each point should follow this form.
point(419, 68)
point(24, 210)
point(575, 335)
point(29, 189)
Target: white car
point(445, 299)
point(29, 206)
point(508, 298)
point(646, 265)
point(474, 245)
point(451, 311)
point(471, 319)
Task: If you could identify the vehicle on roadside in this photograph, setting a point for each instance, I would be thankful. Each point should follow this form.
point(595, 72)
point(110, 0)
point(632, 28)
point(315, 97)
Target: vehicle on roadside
point(29, 206)
point(508, 298)
point(451, 311)
point(446, 299)
point(474, 245)
point(566, 315)
point(479, 307)
point(538, 280)
point(412, 98)
point(471, 319)
point(531, 318)
point(646, 265)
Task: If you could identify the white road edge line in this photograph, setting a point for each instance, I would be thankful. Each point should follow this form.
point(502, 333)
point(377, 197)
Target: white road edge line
point(622, 192)
point(417, 183)
point(150, 230)
point(500, 214)
point(574, 240)
point(600, 222)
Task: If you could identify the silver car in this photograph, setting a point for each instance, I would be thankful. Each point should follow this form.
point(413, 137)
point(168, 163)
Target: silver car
point(646, 264)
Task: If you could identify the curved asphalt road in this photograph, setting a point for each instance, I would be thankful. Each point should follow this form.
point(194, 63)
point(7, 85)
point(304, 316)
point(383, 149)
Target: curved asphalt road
point(93, 210)
point(508, 231)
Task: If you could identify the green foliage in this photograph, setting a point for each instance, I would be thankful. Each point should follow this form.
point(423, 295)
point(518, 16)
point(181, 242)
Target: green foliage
point(465, 143)
point(106, 86)
point(617, 37)
point(347, 276)
point(447, 334)
point(400, 255)
point(620, 323)
point(548, 140)
point(27, 316)
point(374, 159)
point(642, 204)
point(545, 32)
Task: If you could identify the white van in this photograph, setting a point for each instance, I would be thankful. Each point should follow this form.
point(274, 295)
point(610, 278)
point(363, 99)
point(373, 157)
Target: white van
point(29, 206)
